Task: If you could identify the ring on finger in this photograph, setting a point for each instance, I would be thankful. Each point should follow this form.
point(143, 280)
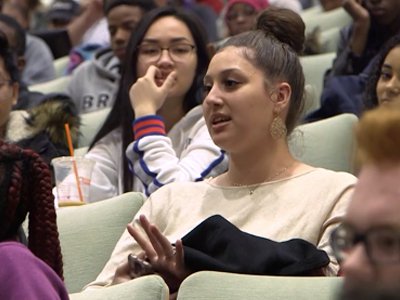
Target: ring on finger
point(173, 252)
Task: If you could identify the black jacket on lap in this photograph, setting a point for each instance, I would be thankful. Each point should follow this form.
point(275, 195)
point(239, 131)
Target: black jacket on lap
point(218, 245)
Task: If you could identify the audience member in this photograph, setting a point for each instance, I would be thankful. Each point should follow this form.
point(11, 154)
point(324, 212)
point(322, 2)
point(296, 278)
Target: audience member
point(374, 22)
point(61, 13)
point(283, 21)
point(42, 127)
point(241, 15)
point(94, 83)
point(16, 38)
point(254, 95)
point(34, 271)
point(160, 93)
point(85, 28)
point(368, 241)
point(377, 84)
point(384, 82)
point(38, 57)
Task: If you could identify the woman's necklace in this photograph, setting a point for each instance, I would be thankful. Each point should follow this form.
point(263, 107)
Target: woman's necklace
point(276, 175)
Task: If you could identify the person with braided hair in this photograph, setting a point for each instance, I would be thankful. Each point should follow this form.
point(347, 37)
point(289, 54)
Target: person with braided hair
point(36, 271)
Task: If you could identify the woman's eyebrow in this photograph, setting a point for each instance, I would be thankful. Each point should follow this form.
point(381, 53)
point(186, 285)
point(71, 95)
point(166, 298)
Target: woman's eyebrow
point(173, 40)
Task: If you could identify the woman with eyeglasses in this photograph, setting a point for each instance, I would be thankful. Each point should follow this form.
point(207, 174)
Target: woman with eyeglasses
point(155, 133)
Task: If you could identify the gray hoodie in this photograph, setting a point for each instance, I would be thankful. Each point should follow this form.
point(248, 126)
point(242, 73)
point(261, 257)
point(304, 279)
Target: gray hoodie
point(94, 83)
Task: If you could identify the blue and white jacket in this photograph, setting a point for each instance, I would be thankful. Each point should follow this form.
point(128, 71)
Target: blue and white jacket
point(186, 153)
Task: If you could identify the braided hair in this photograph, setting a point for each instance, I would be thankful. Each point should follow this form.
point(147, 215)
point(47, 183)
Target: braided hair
point(25, 187)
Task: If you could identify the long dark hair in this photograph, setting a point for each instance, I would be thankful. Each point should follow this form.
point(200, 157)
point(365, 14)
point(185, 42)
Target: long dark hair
point(25, 188)
point(121, 115)
point(370, 96)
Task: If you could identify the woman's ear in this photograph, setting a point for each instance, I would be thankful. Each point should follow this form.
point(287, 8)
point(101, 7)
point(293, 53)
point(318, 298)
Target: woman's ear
point(281, 95)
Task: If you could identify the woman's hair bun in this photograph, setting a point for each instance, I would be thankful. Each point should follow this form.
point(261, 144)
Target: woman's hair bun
point(285, 25)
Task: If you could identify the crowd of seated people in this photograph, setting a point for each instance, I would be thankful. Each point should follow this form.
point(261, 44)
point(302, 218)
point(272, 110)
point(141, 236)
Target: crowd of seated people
point(360, 55)
point(203, 98)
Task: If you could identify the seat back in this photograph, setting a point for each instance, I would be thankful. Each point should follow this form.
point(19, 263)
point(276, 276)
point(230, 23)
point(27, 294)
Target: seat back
point(60, 65)
point(314, 68)
point(89, 233)
point(58, 85)
point(337, 17)
point(329, 39)
point(90, 124)
point(221, 286)
point(151, 287)
point(328, 143)
point(311, 12)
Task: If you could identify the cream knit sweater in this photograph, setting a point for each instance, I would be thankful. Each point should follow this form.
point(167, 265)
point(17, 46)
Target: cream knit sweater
point(306, 206)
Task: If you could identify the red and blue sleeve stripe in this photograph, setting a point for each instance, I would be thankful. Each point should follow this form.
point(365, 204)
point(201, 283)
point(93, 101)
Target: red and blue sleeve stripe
point(148, 125)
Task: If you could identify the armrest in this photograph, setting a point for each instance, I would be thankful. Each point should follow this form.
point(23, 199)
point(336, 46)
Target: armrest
point(219, 285)
point(150, 287)
point(89, 233)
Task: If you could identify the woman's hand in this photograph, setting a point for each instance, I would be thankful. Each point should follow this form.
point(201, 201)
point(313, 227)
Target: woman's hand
point(361, 25)
point(356, 10)
point(124, 271)
point(149, 92)
point(165, 259)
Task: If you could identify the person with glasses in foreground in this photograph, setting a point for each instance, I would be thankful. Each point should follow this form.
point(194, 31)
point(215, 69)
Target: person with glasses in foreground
point(157, 117)
point(367, 244)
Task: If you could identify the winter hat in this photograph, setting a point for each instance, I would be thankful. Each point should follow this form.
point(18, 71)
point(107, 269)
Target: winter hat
point(63, 10)
point(257, 4)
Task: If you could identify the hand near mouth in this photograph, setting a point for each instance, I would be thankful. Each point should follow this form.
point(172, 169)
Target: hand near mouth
point(149, 92)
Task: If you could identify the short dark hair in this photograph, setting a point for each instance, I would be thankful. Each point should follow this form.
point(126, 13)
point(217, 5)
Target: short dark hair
point(145, 5)
point(121, 114)
point(8, 58)
point(19, 34)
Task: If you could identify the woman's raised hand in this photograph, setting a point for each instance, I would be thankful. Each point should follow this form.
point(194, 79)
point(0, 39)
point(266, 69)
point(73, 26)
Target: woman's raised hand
point(165, 259)
point(148, 93)
point(361, 25)
point(356, 10)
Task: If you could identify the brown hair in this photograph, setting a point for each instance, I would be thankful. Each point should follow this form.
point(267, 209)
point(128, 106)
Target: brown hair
point(25, 187)
point(285, 24)
point(378, 135)
point(268, 51)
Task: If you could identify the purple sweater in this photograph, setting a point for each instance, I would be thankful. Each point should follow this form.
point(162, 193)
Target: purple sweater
point(24, 276)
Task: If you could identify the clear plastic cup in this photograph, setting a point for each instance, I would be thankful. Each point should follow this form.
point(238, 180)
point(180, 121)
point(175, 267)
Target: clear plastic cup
point(72, 177)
